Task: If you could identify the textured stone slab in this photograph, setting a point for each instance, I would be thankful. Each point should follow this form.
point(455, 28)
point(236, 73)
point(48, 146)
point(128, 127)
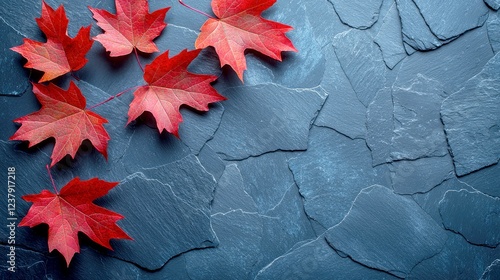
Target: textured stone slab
point(342, 110)
point(493, 25)
point(267, 179)
point(12, 63)
point(380, 126)
point(239, 236)
point(385, 227)
point(420, 176)
point(492, 271)
point(494, 4)
point(362, 63)
point(332, 172)
point(418, 131)
point(474, 215)
point(471, 118)
point(188, 180)
point(285, 225)
point(266, 118)
point(156, 215)
point(390, 39)
point(315, 260)
point(404, 123)
point(415, 31)
point(429, 201)
point(357, 14)
point(486, 180)
point(455, 261)
point(448, 19)
point(452, 64)
point(230, 194)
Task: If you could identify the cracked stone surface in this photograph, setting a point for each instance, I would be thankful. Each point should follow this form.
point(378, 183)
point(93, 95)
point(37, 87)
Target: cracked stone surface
point(371, 153)
point(477, 218)
point(357, 14)
point(471, 117)
point(362, 63)
point(492, 271)
point(383, 225)
point(404, 122)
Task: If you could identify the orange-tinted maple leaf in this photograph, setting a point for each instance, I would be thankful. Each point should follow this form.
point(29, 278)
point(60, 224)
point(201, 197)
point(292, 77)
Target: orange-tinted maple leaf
point(60, 54)
point(72, 211)
point(63, 117)
point(132, 27)
point(170, 85)
point(238, 27)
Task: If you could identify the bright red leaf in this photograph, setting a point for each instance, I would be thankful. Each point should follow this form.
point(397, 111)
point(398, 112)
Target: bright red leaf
point(72, 211)
point(238, 27)
point(63, 117)
point(170, 85)
point(60, 54)
point(132, 27)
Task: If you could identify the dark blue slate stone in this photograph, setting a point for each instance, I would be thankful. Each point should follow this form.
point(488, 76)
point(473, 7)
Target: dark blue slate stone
point(380, 126)
point(230, 194)
point(418, 131)
point(387, 232)
point(485, 180)
point(12, 62)
point(362, 63)
point(429, 201)
point(448, 19)
point(453, 64)
point(492, 271)
point(357, 14)
point(407, 175)
point(266, 118)
point(493, 25)
point(239, 235)
point(331, 173)
point(471, 117)
point(494, 4)
point(390, 39)
point(172, 221)
point(474, 215)
point(267, 179)
point(415, 31)
point(457, 260)
point(342, 110)
point(315, 260)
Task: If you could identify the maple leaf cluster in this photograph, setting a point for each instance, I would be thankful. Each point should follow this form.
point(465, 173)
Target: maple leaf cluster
point(169, 85)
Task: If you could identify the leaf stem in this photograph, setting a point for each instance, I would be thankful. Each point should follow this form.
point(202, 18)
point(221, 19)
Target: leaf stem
point(110, 98)
point(137, 58)
point(196, 10)
point(52, 179)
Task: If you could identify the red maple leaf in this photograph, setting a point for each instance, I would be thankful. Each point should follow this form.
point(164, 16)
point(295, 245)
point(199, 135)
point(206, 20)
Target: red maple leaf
point(238, 27)
point(63, 117)
point(60, 54)
point(170, 85)
point(72, 211)
point(132, 27)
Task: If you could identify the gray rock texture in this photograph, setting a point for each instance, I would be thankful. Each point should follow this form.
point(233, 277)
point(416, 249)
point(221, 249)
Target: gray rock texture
point(471, 117)
point(474, 215)
point(391, 233)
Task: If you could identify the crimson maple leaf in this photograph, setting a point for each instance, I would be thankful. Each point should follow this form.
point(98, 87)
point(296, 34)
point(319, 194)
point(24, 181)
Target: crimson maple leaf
point(60, 54)
point(63, 117)
point(170, 85)
point(238, 27)
point(132, 27)
point(72, 211)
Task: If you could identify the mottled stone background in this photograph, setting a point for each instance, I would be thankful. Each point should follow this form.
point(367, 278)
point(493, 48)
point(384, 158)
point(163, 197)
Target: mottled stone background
point(370, 154)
